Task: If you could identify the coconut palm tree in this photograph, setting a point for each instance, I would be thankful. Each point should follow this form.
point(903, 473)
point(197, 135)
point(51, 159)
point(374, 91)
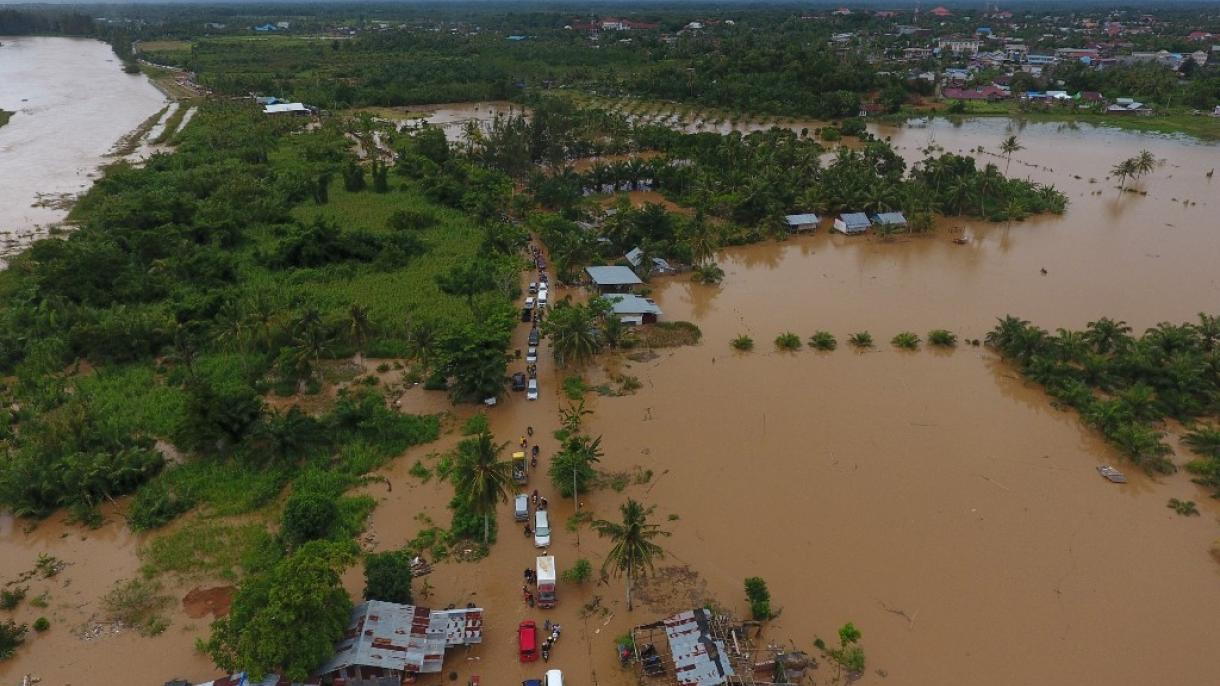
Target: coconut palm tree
point(1008, 147)
point(358, 329)
point(1123, 170)
point(481, 479)
point(1107, 335)
point(1143, 163)
point(702, 238)
point(633, 551)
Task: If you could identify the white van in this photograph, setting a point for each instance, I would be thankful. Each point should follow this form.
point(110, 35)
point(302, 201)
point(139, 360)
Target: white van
point(554, 677)
point(542, 296)
point(542, 529)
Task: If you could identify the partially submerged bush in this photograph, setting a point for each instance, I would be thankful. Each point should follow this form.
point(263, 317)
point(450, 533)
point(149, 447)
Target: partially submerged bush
point(788, 341)
point(861, 339)
point(823, 340)
point(905, 340)
point(743, 343)
point(942, 338)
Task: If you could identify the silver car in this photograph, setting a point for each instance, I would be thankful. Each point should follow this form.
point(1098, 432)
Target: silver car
point(531, 392)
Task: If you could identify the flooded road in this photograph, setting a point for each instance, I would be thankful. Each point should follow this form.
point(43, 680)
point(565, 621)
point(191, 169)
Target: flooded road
point(932, 498)
point(73, 103)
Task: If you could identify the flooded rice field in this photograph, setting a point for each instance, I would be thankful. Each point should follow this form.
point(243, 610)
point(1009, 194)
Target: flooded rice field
point(932, 498)
point(72, 104)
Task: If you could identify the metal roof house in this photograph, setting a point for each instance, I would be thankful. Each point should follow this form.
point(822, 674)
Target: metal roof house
point(802, 222)
point(659, 264)
point(696, 654)
point(287, 108)
point(852, 223)
point(890, 219)
point(389, 640)
point(614, 279)
point(634, 309)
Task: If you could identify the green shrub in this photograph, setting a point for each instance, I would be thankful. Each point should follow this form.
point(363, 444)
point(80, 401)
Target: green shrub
point(743, 342)
point(905, 340)
point(861, 339)
point(308, 517)
point(942, 338)
point(759, 598)
point(574, 387)
point(387, 576)
point(579, 573)
point(788, 341)
point(138, 603)
point(830, 134)
point(1186, 508)
point(11, 598)
point(476, 425)
point(12, 635)
point(823, 340)
point(42, 624)
point(156, 504)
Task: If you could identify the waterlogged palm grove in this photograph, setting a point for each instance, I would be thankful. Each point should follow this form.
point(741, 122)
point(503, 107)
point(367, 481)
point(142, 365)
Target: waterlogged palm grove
point(240, 337)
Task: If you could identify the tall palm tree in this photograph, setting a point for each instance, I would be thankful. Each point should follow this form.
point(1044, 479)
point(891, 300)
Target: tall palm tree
point(702, 239)
point(1143, 163)
point(1123, 170)
point(633, 550)
point(482, 480)
point(358, 329)
point(1107, 335)
point(1008, 147)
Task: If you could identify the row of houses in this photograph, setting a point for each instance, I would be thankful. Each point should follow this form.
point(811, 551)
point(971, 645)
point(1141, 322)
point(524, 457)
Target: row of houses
point(848, 223)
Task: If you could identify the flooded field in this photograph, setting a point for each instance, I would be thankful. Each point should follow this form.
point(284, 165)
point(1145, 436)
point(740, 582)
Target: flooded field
point(73, 104)
point(932, 498)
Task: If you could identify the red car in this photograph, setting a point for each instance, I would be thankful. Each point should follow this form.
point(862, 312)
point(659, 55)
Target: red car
point(527, 640)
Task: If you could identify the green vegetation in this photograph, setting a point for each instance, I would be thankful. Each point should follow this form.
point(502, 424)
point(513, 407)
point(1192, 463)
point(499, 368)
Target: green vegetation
point(823, 340)
point(574, 387)
point(571, 469)
point(288, 619)
point(1205, 441)
point(848, 658)
point(172, 124)
point(632, 550)
point(1186, 508)
point(861, 340)
point(11, 598)
point(1126, 387)
point(387, 576)
point(42, 624)
point(481, 480)
point(906, 340)
point(1134, 167)
point(12, 635)
point(759, 598)
point(138, 603)
point(578, 573)
point(942, 338)
point(743, 343)
point(5, 116)
point(787, 341)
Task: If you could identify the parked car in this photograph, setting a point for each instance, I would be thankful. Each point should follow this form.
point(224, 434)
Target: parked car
point(542, 529)
point(535, 336)
point(521, 507)
point(531, 357)
point(527, 314)
point(542, 297)
point(554, 677)
point(518, 381)
point(527, 640)
point(529, 302)
point(531, 393)
point(533, 287)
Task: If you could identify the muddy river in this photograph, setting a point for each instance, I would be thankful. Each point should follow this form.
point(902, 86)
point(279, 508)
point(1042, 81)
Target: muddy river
point(73, 103)
point(931, 498)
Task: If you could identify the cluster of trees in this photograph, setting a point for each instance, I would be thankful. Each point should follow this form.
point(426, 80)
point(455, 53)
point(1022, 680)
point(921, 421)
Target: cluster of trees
point(1126, 386)
point(1134, 167)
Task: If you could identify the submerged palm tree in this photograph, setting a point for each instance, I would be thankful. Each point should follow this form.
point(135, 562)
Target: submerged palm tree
point(1008, 147)
point(1143, 163)
point(633, 552)
point(1123, 170)
point(481, 478)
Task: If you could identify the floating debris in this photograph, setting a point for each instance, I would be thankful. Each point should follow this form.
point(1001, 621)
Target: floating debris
point(1112, 474)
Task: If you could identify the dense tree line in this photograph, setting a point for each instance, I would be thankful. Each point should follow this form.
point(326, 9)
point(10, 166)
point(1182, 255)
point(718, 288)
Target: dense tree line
point(1127, 387)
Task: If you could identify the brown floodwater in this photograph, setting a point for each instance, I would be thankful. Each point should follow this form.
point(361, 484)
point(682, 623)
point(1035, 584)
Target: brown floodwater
point(932, 498)
point(72, 104)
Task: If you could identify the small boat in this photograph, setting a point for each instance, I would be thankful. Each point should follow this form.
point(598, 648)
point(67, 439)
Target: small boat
point(1112, 474)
